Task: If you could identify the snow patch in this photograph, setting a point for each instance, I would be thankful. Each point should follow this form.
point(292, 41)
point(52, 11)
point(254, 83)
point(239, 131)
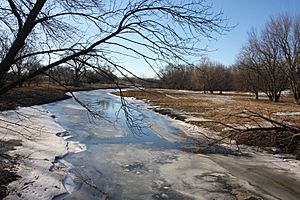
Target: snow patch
point(41, 147)
point(286, 113)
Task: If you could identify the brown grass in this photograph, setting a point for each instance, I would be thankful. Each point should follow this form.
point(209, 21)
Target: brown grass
point(230, 109)
point(214, 107)
point(42, 94)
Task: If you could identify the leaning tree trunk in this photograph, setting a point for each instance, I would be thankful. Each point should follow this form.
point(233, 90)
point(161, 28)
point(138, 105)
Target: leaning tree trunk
point(19, 42)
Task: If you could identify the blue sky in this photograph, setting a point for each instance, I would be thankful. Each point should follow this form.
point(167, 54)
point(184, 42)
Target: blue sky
point(245, 14)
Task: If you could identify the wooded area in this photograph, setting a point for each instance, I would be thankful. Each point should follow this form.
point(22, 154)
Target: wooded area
point(268, 63)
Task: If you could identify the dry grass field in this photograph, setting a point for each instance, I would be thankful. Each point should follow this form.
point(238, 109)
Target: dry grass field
point(223, 113)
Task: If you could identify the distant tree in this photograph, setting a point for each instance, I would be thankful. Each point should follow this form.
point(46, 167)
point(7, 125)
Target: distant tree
point(214, 76)
point(262, 60)
point(248, 79)
point(31, 67)
point(206, 76)
point(63, 74)
point(176, 76)
point(286, 33)
point(195, 78)
point(79, 68)
point(223, 77)
point(248, 70)
point(103, 74)
point(25, 66)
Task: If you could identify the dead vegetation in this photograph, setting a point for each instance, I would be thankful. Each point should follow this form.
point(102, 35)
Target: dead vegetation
point(235, 116)
point(42, 94)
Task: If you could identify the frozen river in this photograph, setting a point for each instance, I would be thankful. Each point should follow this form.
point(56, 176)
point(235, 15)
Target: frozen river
point(149, 160)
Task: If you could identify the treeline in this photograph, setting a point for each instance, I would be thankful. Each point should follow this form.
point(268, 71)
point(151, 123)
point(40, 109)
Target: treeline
point(207, 76)
point(70, 74)
point(268, 63)
point(65, 75)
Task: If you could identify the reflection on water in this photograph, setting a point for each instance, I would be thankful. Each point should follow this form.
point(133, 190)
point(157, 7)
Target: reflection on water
point(105, 104)
point(148, 130)
point(146, 127)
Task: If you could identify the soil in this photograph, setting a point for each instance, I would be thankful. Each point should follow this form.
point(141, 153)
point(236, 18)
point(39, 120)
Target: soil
point(235, 109)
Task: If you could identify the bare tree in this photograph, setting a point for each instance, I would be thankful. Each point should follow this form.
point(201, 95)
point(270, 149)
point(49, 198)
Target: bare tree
point(31, 67)
point(248, 66)
point(176, 76)
point(286, 31)
point(25, 66)
point(263, 59)
point(156, 31)
point(248, 79)
point(63, 74)
point(214, 76)
point(223, 78)
point(79, 69)
point(206, 76)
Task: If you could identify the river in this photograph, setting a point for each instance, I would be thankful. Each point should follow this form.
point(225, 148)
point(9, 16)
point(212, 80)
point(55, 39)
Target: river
point(148, 160)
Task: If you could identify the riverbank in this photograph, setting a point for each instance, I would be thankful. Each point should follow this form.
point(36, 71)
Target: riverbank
point(230, 117)
point(37, 95)
point(12, 135)
point(111, 166)
point(32, 134)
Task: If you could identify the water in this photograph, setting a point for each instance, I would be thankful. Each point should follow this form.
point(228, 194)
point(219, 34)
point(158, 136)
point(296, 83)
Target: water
point(147, 130)
point(112, 126)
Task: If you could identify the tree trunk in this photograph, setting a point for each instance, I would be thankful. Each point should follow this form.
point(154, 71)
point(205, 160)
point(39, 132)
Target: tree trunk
point(19, 78)
point(296, 91)
point(276, 99)
point(256, 95)
point(270, 97)
point(277, 96)
point(20, 39)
